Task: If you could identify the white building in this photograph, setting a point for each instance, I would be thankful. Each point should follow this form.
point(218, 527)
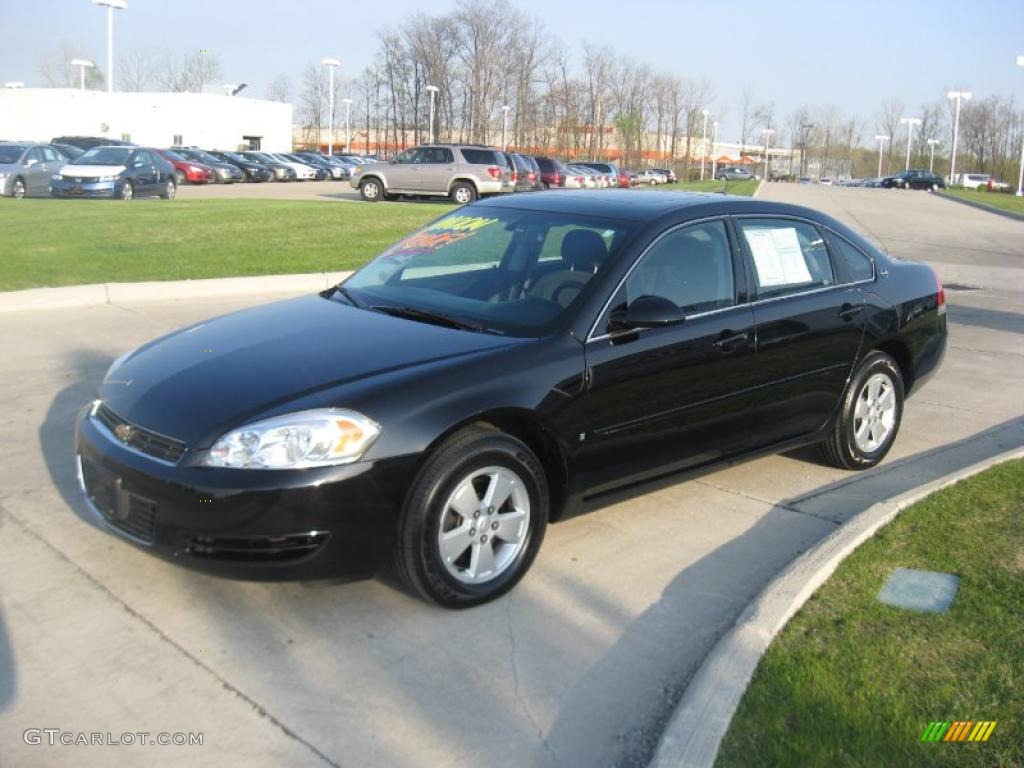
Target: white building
point(206, 120)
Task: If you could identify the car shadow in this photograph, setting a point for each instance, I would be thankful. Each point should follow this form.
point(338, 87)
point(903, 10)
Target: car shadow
point(995, 319)
point(682, 608)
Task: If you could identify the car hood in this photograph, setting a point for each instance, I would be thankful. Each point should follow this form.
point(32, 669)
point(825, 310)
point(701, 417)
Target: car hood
point(225, 372)
point(92, 170)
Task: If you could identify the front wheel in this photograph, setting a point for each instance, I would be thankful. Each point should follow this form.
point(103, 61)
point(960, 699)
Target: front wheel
point(474, 519)
point(127, 191)
point(179, 177)
point(370, 190)
point(870, 415)
point(463, 193)
point(170, 190)
point(18, 189)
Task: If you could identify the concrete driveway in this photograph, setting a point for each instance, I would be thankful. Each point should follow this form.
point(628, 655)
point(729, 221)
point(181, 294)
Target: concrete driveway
point(579, 666)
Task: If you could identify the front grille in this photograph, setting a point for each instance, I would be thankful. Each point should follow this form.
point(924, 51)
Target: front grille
point(121, 509)
point(86, 179)
point(258, 549)
point(134, 436)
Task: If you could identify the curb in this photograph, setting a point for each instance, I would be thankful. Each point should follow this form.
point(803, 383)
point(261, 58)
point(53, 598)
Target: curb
point(164, 290)
point(757, 191)
point(702, 717)
point(982, 206)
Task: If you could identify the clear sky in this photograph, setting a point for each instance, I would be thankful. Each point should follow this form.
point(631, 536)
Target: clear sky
point(850, 54)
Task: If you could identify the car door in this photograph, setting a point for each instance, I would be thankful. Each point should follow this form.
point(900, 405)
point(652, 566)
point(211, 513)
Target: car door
point(404, 172)
point(663, 399)
point(809, 325)
point(435, 169)
point(36, 177)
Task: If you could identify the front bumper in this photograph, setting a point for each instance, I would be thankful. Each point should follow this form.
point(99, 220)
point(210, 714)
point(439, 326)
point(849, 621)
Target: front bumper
point(65, 188)
point(327, 522)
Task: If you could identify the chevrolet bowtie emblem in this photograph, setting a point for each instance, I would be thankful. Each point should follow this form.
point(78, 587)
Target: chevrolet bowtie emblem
point(123, 432)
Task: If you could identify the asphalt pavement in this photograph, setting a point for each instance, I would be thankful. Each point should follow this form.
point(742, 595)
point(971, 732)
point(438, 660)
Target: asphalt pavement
point(579, 666)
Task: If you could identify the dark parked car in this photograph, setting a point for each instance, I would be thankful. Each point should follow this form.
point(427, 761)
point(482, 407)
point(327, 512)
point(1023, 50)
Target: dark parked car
point(733, 173)
point(90, 142)
point(255, 172)
point(914, 179)
point(70, 151)
point(552, 172)
point(281, 171)
point(500, 369)
point(524, 177)
point(116, 172)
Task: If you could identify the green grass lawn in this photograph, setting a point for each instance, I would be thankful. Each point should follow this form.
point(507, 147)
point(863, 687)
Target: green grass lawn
point(71, 242)
point(745, 188)
point(1002, 201)
point(853, 682)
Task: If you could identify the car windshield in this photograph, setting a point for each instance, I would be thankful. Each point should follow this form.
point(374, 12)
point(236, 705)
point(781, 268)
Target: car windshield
point(236, 157)
point(10, 153)
point(203, 157)
point(105, 156)
point(501, 270)
point(171, 155)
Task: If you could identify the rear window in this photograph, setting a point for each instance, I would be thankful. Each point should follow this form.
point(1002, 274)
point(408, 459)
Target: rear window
point(481, 156)
point(546, 164)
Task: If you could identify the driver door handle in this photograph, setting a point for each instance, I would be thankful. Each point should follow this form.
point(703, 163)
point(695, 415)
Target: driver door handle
point(850, 311)
point(729, 342)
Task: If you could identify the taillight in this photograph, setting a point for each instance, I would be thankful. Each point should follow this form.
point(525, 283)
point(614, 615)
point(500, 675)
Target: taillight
point(941, 303)
point(557, 178)
point(494, 171)
point(532, 176)
point(515, 175)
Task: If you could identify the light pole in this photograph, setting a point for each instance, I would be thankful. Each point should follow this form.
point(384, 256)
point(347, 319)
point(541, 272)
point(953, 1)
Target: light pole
point(960, 96)
point(910, 122)
point(504, 125)
point(111, 6)
point(331, 65)
point(931, 160)
point(704, 144)
point(1020, 173)
point(881, 144)
point(348, 137)
point(432, 90)
point(714, 150)
point(767, 137)
point(82, 63)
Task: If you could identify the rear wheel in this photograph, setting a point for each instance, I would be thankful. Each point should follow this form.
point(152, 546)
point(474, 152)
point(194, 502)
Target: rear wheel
point(179, 176)
point(127, 191)
point(170, 190)
point(870, 415)
point(18, 188)
point(474, 519)
point(463, 193)
point(370, 190)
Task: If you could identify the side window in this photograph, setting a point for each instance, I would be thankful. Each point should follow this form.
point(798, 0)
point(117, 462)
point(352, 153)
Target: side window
point(691, 267)
point(788, 256)
point(853, 264)
point(35, 155)
point(50, 155)
point(406, 157)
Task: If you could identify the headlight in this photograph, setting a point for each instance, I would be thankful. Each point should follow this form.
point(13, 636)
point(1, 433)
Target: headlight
point(357, 169)
point(55, 177)
point(196, 169)
point(306, 439)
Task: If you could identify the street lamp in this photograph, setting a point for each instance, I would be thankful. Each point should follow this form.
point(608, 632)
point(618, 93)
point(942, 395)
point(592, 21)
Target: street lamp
point(331, 64)
point(910, 122)
point(348, 138)
point(767, 137)
point(83, 64)
point(432, 90)
point(959, 96)
point(703, 143)
point(1020, 173)
point(881, 143)
point(504, 125)
point(111, 6)
point(714, 150)
point(931, 160)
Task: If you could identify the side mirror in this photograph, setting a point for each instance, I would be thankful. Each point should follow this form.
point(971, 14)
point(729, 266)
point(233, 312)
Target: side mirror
point(646, 312)
point(30, 162)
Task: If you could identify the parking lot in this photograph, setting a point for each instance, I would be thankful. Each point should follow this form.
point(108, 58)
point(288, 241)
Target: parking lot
point(579, 666)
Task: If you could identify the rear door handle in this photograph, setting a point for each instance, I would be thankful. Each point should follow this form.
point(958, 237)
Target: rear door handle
point(728, 343)
point(850, 311)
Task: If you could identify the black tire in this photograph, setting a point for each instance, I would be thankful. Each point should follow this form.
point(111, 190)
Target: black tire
point(179, 177)
point(840, 449)
point(127, 191)
point(463, 193)
point(418, 559)
point(18, 188)
point(371, 189)
point(170, 190)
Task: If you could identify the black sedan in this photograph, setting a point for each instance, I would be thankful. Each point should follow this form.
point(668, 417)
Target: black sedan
point(501, 369)
point(914, 179)
point(253, 171)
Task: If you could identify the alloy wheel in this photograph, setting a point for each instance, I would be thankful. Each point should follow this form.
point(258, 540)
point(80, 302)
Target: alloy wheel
point(874, 414)
point(18, 189)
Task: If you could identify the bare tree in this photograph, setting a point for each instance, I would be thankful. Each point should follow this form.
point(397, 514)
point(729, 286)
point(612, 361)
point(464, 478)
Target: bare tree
point(57, 72)
point(280, 88)
point(312, 97)
point(887, 121)
point(189, 73)
point(746, 114)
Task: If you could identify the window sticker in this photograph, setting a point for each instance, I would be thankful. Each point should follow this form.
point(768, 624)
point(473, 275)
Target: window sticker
point(777, 257)
point(441, 233)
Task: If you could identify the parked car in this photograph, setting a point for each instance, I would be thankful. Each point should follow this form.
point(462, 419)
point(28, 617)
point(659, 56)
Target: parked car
point(914, 179)
point(116, 172)
point(972, 180)
point(522, 176)
point(574, 178)
point(589, 175)
point(187, 171)
point(801, 180)
point(462, 172)
point(255, 172)
point(734, 173)
point(552, 171)
point(609, 170)
point(225, 173)
point(825, 181)
point(69, 151)
point(668, 173)
point(26, 168)
point(89, 142)
point(650, 177)
point(626, 179)
point(281, 171)
point(332, 169)
point(242, 449)
point(303, 171)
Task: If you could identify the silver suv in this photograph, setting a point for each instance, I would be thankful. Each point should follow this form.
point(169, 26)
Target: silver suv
point(463, 172)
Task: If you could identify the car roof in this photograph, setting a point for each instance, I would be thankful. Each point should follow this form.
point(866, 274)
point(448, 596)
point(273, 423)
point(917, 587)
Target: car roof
point(631, 205)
